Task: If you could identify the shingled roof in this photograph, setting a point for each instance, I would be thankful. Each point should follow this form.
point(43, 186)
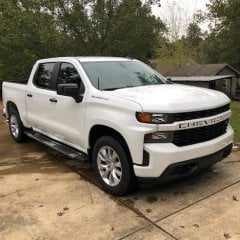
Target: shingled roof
point(201, 70)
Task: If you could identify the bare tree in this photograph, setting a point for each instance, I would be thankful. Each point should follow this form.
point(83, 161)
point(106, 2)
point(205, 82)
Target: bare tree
point(177, 16)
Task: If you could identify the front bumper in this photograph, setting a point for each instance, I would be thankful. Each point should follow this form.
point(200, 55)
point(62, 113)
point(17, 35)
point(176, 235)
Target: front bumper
point(163, 156)
point(186, 168)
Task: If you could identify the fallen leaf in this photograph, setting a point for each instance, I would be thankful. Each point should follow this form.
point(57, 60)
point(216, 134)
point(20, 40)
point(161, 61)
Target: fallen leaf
point(234, 198)
point(227, 236)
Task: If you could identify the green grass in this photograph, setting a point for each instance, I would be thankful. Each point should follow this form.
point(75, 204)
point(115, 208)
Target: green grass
point(235, 119)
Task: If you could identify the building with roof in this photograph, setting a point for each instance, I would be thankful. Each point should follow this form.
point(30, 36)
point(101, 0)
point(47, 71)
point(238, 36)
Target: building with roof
point(221, 77)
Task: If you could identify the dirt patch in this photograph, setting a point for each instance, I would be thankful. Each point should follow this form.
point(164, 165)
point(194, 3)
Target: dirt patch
point(236, 147)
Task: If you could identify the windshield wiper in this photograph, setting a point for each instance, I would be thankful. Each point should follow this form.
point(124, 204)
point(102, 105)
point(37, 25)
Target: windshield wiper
point(110, 89)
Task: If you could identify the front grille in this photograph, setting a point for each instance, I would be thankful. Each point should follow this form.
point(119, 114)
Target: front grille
point(198, 135)
point(175, 117)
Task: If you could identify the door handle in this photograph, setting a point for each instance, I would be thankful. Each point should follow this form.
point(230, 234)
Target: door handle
point(29, 95)
point(54, 100)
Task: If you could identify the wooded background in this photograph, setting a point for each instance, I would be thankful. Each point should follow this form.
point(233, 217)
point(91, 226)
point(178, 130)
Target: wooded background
point(34, 29)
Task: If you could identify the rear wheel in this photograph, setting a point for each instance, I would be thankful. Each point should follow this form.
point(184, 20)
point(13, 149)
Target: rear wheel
point(16, 127)
point(112, 166)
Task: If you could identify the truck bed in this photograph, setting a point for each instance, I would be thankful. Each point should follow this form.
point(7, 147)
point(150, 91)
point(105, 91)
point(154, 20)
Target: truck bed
point(15, 92)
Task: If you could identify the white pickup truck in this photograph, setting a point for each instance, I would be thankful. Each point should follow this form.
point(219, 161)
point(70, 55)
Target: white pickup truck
point(123, 117)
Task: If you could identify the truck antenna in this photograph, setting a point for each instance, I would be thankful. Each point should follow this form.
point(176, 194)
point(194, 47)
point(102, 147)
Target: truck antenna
point(98, 81)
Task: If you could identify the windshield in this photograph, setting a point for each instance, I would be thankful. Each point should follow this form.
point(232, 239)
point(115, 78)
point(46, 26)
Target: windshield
point(121, 74)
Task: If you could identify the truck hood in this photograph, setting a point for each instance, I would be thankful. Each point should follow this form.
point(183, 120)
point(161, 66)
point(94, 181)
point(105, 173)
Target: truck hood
point(170, 98)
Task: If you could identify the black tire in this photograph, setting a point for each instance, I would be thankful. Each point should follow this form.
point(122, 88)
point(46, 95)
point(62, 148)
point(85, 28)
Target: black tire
point(18, 136)
point(127, 180)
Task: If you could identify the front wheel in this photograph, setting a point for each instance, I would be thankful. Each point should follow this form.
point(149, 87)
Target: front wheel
point(112, 166)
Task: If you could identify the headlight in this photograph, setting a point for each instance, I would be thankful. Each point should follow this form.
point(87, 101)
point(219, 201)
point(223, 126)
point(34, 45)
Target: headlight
point(154, 118)
point(158, 137)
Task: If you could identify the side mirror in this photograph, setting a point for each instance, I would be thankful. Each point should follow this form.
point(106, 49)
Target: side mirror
point(70, 90)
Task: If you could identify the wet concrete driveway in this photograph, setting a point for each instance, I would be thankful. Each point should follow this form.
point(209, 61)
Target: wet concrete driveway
point(45, 196)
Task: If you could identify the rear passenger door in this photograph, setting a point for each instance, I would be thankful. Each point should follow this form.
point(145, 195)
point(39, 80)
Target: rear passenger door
point(38, 97)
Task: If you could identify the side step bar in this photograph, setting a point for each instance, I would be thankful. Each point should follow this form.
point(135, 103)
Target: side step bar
point(60, 147)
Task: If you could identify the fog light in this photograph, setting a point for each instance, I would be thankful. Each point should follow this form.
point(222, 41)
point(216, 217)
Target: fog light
point(158, 137)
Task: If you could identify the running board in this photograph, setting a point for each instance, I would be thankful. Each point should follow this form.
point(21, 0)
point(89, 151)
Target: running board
point(60, 147)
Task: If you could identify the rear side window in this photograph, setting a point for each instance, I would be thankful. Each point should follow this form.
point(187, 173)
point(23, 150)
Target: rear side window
point(68, 74)
point(44, 75)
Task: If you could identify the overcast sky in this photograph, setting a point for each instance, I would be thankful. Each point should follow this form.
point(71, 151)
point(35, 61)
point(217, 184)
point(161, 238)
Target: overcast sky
point(183, 8)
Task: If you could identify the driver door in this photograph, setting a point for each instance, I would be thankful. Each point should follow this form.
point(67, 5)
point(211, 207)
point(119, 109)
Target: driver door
point(68, 115)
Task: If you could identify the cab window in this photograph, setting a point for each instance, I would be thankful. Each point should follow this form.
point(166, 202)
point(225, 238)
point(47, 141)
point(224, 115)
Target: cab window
point(44, 75)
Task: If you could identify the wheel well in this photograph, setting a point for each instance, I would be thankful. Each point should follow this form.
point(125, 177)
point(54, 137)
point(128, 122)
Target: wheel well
point(9, 106)
point(99, 130)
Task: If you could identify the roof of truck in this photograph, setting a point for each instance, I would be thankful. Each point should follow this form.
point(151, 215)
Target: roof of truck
point(89, 59)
